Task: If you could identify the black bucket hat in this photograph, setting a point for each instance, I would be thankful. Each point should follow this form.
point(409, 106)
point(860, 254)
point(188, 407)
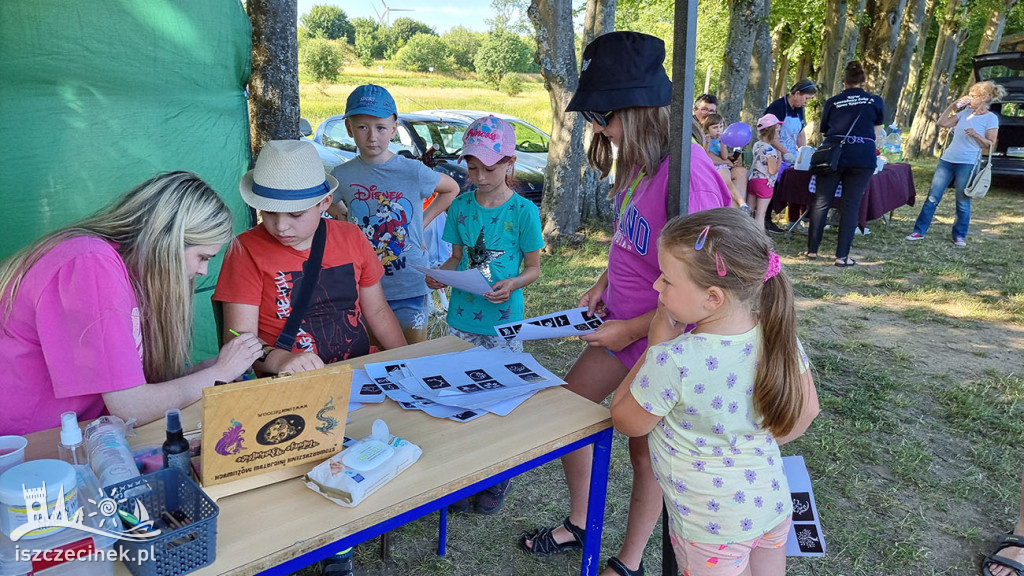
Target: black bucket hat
point(622, 70)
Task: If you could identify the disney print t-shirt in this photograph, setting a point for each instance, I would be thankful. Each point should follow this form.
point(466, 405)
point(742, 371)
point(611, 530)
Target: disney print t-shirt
point(721, 473)
point(386, 202)
point(493, 241)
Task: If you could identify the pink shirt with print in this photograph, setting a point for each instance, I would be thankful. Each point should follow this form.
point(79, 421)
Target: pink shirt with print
point(633, 256)
point(74, 333)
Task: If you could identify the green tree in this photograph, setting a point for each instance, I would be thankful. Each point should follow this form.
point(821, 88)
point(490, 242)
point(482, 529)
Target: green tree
point(329, 22)
point(462, 45)
point(369, 41)
point(511, 84)
point(499, 54)
point(400, 32)
point(423, 52)
point(320, 59)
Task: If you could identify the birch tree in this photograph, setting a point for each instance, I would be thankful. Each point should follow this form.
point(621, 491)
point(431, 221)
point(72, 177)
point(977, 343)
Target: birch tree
point(910, 94)
point(744, 16)
point(600, 19)
point(994, 26)
point(274, 82)
point(759, 82)
point(924, 132)
point(897, 78)
point(556, 55)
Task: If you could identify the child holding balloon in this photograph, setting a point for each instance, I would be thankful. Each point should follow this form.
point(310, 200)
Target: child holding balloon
point(732, 171)
point(765, 166)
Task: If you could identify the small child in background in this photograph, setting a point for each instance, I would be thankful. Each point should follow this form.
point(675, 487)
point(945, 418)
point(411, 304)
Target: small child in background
point(734, 174)
point(764, 168)
point(383, 194)
point(497, 232)
point(718, 402)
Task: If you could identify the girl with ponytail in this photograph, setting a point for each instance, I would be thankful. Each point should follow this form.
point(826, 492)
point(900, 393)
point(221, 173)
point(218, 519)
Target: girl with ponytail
point(719, 400)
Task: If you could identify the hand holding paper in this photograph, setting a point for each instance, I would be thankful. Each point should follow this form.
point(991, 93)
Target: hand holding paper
point(467, 280)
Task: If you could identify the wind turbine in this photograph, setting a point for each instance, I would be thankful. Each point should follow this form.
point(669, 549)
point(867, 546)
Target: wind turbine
point(385, 18)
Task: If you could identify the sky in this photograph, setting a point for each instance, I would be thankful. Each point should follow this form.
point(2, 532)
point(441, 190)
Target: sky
point(441, 15)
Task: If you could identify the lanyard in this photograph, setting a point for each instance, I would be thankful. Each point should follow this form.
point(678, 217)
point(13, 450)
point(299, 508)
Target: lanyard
point(629, 193)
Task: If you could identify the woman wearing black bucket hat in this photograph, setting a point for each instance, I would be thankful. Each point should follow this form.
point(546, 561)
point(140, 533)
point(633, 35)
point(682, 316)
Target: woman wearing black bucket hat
point(625, 94)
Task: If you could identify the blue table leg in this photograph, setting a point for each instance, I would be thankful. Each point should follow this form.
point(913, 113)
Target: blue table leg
point(442, 532)
point(595, 505)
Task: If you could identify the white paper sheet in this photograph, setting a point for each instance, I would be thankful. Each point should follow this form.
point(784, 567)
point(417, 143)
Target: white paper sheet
point(572, 322)
point(805, 535)
point(468, 280)
point(364, 389)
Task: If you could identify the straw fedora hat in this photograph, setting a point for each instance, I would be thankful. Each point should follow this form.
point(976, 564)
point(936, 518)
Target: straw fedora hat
point(288, 177)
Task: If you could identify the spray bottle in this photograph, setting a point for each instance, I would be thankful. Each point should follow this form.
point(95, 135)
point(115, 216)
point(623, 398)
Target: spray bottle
point(71, 448)
point(109, 454)
point(175, 448)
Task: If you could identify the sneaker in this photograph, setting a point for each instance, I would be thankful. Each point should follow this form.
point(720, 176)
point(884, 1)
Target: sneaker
point(338, 565)
point(862, 231)
point(914, 236)
point(960, 242)
point(491, 499)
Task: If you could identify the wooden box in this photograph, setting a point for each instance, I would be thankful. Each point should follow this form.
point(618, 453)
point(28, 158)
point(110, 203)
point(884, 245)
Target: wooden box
point(282, 424)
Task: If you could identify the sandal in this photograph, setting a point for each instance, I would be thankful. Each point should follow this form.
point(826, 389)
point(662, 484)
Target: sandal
point(845, 262)
point(1005, 541)
point(810, 255)
point(544, 543)
point(620, 568)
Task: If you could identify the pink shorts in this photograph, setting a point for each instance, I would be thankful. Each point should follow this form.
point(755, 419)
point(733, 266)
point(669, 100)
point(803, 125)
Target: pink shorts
point(701, 559)
point(759, 187)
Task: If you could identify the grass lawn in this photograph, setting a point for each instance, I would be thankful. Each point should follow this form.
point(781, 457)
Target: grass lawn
point(917, 353)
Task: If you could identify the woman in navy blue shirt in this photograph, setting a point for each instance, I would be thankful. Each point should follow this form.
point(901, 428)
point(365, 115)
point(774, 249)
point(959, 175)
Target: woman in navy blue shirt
point(853, 107)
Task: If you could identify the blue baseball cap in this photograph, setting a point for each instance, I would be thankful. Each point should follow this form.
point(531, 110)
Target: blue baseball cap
point(371, 100)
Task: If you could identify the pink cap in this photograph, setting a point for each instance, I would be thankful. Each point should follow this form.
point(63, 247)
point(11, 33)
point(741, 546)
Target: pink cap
point(767, 121)
point(489, 139)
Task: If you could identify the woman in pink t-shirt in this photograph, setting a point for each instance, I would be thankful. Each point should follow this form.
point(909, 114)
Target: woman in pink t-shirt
point(624, 93)
point(92, 315)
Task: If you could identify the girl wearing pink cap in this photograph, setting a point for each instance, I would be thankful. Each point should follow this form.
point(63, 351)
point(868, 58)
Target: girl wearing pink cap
point(498, 232)
point(765, 167)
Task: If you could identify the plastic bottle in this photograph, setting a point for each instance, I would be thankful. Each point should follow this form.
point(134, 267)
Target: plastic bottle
point(109, 453)
point(175, 448)
point(71, 448)
point(894, 143)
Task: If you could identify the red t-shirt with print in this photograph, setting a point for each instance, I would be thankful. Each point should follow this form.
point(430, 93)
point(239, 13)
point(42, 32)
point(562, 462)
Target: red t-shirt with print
point(260, 271)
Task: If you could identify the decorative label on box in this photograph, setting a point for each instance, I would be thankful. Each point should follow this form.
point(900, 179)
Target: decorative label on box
point(273, 423)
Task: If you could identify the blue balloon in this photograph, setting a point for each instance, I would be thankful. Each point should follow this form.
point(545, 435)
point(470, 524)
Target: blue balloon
point(736, 135)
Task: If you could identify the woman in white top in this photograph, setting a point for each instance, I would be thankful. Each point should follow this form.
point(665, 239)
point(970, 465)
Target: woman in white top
point(974, 130)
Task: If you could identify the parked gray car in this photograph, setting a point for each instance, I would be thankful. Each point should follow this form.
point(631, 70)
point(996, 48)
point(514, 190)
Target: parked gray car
point(1007, 70)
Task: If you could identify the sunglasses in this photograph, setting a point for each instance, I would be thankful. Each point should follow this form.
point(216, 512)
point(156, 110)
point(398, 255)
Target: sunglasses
point(602, 118)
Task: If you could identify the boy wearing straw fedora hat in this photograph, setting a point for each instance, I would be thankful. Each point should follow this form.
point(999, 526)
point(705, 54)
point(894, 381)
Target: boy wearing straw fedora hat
point(264, 272)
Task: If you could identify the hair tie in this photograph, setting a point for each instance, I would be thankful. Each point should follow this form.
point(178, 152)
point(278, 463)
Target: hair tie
point(774, 265)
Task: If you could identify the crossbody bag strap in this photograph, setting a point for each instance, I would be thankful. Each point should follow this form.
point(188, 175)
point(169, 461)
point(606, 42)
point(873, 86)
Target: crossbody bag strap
point(300, 300)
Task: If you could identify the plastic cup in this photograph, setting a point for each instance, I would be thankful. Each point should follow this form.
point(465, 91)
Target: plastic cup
point(12, 451)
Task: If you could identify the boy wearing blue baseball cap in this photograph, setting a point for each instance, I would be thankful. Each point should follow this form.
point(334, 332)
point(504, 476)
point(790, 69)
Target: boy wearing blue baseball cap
point(383, 193)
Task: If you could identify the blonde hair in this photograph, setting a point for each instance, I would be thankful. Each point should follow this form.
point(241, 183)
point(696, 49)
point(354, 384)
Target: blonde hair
point(644, 144)
point(766, 134)
point(151, 226)
point(994, 92)
point(735, 238)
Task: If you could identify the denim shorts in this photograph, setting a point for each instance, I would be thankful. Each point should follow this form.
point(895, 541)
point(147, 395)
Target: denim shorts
point(412, 314)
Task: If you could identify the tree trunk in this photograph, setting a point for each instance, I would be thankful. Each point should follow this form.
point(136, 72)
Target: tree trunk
point(994, 26)
point(910, 95)
point(848, 48)
point(274, 82)
point(756, 98)
point(896, 81)
point(600, 19)
point(739, 46)
point(880, 36)
point(835, 24)
point(924, 132)
point(780, 85)
point(556, 55)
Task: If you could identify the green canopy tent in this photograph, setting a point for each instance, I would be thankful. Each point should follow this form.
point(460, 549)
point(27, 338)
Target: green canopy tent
point(98, 95)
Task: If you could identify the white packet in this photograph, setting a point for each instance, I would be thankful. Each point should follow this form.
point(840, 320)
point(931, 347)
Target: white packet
point(351, 475)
